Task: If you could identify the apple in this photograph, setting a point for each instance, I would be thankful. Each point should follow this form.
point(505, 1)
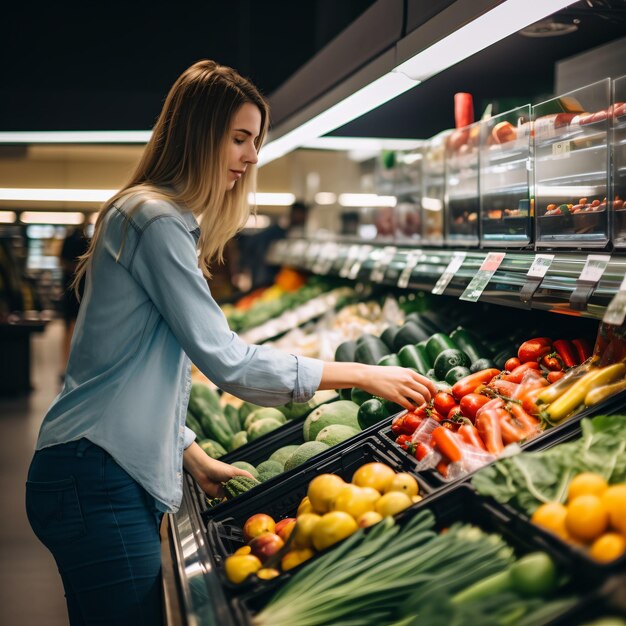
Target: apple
point(265, 545)
point(285, 527)
point(257, 525)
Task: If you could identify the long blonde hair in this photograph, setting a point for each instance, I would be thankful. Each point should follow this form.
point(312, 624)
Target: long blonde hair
point(184, 160)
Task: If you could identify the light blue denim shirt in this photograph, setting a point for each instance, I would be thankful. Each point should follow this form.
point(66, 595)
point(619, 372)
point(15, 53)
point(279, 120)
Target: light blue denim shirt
point(141, 320)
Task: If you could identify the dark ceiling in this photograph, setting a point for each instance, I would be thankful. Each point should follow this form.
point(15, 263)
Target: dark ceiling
point(101, 66)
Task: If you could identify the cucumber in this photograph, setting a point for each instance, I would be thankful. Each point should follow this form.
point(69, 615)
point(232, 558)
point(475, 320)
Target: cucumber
point(456, 373)
point(437, 344)
point(390, 359)
point(389, 335)
point(358, 396)
point(411, 357)
point(410, 333)
point(469, 343)
point(447, 360)
point(371, 412)
point(345, 352)
point(370, 350)
point(481, 364)
point(421, 348)
point(429, 327)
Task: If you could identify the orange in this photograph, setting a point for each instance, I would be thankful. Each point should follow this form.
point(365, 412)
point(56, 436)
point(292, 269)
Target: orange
point(608, 547)
point(551, 516)
point(323, 489)
point(586, 518)
point(585, 484)
point(405, 483)
point(614, 501)
point(376, 475)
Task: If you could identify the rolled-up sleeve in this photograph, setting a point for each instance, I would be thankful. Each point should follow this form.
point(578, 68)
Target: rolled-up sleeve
point(189, 437)
point(165, 264)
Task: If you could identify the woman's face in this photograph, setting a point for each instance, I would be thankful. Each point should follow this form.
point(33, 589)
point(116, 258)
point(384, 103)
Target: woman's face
point(241, 151)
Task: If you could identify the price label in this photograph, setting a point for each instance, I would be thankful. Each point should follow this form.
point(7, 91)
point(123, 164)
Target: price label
point(540, 265)
point(362, 256)
point(561, 149)
point(353, 253)
point(453, 267)
point(616, 311)
point(594, 268)
point(480, 281)
point(384, 259)
point(411, 261)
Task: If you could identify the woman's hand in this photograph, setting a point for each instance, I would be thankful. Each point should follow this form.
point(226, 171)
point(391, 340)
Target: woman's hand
point(398, 384)
point(209, 473)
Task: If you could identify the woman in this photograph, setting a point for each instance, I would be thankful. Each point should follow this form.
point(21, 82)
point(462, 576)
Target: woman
point(112, 447)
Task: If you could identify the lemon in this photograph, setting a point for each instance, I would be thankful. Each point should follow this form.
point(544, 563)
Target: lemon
point(355, 501)
point(392, 503)
point(608, 547)
point(614, 501)
point(404, 483)
point(375, 475)
point(305, 506)
point(587, 483)
point(369, 519)
point(586, 518)
point(323, 489)
point(551, 516)
point(331, 528)
point(303, 530)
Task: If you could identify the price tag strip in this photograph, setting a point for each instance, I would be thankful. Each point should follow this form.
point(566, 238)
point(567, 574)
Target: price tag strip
point(587, 281)
point(411, 261)
point(362, 256)
point(353, 253)
point(616, 311)
point(535, 276)
point(488, 268)
point(453, 267)
point(384, 259)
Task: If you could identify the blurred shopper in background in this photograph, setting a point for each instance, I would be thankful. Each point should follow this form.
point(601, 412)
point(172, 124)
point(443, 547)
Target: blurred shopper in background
point(112, 447)
point(75, 245)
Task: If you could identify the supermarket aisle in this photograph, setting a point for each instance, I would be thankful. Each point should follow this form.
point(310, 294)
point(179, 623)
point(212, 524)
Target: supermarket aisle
point(30, 589)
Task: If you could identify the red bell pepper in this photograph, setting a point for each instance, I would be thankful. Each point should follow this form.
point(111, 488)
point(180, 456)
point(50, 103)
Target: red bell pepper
point(488, 425)
point(470, 435)
point(447, 443)
point(583, 349)
point(469, 383)
point(566, 351)
point(534, 349)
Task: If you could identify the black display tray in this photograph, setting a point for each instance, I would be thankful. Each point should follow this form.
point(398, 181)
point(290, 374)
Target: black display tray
point(546, 439)
point(462, 504)
point(281, 500)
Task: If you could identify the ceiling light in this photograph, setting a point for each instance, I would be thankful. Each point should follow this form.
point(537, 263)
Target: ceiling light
point(366, 200)
point(56, 195)
point(7, 217)
point(271, 199)
point(325, 197)
point(74, 137)
point(52, 217)
point(548, 28)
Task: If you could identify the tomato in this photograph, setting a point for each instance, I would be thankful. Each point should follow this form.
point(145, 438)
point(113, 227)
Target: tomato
point(455, 413)
point(410, 423)
point(552, 362)
point(512, 363)
point(397, 423)
point(403, 441)
point(552, 377)
point(421, 450)
point(471, 403)
point(443, 402)
point(534, 349)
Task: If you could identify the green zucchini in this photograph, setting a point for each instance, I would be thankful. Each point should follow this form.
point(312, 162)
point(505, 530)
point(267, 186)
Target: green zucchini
point(411, 356)
point(389, 335)
point(447, 360)
point(421, 348)
point(481, 364)
point(345, 352)
point(429, 327)
point(456, 373)
point(370, 350)
point(437, 344)
point(371, 412)
point(410, 334)
point(390, 359)
point(469, 343)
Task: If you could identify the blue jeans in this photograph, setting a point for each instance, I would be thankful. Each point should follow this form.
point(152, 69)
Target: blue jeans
point(102, 528)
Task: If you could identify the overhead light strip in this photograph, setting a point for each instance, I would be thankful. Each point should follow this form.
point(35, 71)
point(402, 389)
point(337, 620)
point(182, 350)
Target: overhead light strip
point(7, 217)
point(52, 217)
point(76, 137)
point(494, 25)
point(56, 195)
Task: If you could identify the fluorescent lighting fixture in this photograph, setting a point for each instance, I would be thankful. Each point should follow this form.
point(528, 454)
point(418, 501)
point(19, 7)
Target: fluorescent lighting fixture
point(257, 222)
point(366, 200)
point(500, 22)
point(52, 217)
point(432, 204)
point(7, 217)
point(365, 99)
point(271, 199)
point(362, 143)
point(558, 191)
point(75, 137)
point(325, 197)
point(56, 195)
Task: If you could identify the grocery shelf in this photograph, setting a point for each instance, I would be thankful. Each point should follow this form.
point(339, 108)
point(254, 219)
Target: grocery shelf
point(560, 291)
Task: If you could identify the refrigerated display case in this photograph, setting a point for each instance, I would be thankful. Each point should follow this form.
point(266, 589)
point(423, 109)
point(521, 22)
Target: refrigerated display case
point(618, 122)
point(433, 190)
point(408, 191)
point(572, 168)
point(506, 201)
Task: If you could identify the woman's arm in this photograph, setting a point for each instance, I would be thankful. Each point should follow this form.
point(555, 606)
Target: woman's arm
point(209, 473)
point(398, 384)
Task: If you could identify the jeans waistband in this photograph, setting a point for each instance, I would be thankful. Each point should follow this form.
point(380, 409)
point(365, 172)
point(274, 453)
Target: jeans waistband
point(78, 448)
